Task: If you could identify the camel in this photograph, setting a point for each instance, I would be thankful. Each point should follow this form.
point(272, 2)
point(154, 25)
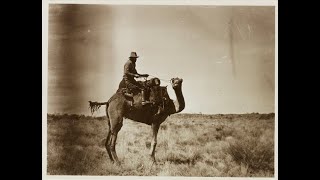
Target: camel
point(119, 107)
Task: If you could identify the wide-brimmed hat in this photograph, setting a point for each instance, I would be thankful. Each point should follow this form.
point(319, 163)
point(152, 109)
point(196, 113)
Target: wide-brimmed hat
point(134, 55)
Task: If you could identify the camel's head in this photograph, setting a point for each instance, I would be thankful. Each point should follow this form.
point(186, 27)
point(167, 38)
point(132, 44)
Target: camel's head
point(176, 82)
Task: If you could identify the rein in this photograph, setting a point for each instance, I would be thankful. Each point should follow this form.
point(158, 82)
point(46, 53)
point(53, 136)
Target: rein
point(165, 80)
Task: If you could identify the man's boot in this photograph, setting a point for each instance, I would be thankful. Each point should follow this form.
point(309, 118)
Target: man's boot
point(143, 96)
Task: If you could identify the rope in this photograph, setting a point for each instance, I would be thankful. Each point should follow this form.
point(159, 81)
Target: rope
point(165, 80)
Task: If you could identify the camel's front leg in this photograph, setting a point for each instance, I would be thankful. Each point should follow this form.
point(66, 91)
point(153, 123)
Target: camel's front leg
point(155, 128)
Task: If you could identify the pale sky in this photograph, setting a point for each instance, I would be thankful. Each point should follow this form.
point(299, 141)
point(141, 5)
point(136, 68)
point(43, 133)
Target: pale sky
point(225, 55)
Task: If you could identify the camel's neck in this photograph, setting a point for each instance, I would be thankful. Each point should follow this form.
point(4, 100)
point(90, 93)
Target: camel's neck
point(179, 103)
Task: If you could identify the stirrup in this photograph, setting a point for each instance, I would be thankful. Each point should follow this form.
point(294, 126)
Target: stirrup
point(145, 102)
point(160, 110)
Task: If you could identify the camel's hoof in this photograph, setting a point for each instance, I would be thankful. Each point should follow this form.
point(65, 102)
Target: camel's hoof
point(117, 163)
point(153, 160)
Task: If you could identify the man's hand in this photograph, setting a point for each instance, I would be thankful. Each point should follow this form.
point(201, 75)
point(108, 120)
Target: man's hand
point(141, 75)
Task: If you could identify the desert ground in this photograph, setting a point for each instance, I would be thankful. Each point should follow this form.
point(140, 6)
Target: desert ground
point(221, 145)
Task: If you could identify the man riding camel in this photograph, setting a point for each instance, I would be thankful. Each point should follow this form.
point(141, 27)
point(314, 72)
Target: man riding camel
point(130, 73)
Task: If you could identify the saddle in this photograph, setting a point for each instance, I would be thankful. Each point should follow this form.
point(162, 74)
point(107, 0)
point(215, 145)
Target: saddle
point(154, 92)
point(147, 85)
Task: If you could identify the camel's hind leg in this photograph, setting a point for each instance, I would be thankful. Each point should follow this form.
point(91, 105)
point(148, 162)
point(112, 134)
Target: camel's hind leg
point(108, 145)
point(108, 140)
point(113, 139)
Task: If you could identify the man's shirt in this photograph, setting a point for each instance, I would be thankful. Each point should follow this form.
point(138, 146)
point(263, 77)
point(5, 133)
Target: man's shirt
point(129, 70)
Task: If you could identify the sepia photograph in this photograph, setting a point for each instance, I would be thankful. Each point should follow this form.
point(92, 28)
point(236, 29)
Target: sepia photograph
point(161, 90)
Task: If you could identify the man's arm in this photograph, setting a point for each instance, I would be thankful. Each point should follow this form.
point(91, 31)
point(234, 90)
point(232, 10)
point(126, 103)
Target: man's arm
point(143, 75)
point(128, 67)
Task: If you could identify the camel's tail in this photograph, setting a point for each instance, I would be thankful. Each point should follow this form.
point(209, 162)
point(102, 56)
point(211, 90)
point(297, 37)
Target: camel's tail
point(94, 106)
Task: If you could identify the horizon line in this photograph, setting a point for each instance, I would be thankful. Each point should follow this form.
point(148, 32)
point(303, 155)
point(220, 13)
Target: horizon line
point(171, 114)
